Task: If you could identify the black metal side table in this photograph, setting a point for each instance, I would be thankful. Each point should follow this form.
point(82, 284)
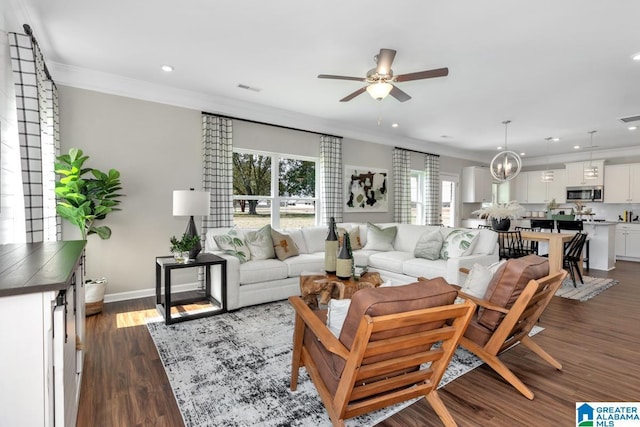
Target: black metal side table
point(167, 264)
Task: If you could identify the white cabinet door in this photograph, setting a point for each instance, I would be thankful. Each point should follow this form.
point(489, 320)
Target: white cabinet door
point(633, 244)
point(521, 184)
point(620, 242)
point(476, 185)
point(617, 179)
point(536, 189)
point(575, 173)
point(557, 189)
point(634, 182)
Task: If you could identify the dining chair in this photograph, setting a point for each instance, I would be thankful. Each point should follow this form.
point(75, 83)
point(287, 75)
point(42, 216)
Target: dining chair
point(510, 244)
point(543, 224)
point(572, 256)
point(528, 246)
point(574, 226)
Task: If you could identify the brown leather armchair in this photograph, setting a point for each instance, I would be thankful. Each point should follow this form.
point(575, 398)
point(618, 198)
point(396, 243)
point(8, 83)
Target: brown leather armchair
point(385, 344)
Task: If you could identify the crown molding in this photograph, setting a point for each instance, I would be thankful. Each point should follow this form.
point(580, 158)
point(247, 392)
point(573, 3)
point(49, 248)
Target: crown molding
point(98, 81)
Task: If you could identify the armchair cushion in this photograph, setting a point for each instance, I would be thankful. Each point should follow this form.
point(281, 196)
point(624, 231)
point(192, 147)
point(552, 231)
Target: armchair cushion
point(508, 283)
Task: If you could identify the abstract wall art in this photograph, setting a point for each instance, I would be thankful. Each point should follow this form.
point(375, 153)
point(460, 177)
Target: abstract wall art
point(366, 189)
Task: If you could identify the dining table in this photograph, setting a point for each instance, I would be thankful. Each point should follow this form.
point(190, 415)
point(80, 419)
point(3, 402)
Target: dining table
point(556, 246)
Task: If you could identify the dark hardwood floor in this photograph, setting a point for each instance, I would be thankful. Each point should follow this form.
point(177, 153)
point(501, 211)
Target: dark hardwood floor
point(597, 342)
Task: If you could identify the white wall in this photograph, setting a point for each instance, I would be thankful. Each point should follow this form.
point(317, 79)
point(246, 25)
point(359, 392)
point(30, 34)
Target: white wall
point(157, 148)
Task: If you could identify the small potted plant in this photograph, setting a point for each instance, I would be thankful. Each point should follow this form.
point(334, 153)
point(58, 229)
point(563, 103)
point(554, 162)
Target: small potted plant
point(180, 248)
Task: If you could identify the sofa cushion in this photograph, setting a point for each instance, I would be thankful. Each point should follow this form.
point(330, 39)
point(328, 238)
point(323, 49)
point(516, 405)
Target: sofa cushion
point(508, 283)
point(478, 279)
point(262, 271)
point(459, 242)
point(361, 257)
point(354, 236)
point(304, 262)
point(314, 238)
point(390, 261)
point(283, 245)
point(408, 235)
point(429, 245)
point(420, 267)
point(233, 244)
point(260, 243)
point(487, 240)
point(380, 239)
point(298, 238)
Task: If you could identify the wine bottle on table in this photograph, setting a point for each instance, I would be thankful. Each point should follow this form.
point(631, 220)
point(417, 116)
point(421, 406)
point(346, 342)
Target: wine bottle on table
point(331, 248)
point(344, 263)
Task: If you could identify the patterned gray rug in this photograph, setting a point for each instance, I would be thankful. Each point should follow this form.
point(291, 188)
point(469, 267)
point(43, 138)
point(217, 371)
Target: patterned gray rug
point(234, 370)
point(582, 292)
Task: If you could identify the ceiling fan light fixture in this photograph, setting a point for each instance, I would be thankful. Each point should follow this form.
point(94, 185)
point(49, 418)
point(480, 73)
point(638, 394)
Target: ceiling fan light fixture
point(379, 90)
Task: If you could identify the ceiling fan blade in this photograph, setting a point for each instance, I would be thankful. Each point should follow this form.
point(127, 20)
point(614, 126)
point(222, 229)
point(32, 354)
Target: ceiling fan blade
point(400, 95)
point(329, 76)
point(429, 74)
point(385, 59)
point(354, 94)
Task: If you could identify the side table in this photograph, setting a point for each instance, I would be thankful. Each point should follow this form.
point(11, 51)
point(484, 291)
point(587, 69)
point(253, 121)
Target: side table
point(166, 264)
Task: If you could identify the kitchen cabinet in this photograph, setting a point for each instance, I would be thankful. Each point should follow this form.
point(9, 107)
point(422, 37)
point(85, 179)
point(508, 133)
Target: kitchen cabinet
point(531, 189)
point(476, 185)
point(575, 173)
point(42, 315)
point(619, 183)
point(504, 192)
point(628, 241)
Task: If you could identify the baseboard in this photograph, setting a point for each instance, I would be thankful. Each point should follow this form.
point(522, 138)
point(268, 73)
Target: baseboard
point(151, 292)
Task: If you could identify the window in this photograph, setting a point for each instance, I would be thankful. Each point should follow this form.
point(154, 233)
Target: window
point(449, 212)
point(417, 197)
point(283, 196)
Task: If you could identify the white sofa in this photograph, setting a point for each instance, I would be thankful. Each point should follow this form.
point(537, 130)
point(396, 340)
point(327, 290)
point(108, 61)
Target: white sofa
point(261, 281)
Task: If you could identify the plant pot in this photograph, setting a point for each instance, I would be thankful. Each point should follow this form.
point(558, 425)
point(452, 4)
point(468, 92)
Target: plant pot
point(94, 296)
point(181, 257)
point(501, 224)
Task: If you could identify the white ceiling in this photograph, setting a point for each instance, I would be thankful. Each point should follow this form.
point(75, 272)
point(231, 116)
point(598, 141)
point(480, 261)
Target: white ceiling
point(554, 68)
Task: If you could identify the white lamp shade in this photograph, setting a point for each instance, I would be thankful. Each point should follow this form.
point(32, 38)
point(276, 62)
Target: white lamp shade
point(190, 203)
point(379, 90)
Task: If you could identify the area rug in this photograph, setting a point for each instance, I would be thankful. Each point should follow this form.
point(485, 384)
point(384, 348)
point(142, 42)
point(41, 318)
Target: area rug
point(234, 370)
point(582, 292)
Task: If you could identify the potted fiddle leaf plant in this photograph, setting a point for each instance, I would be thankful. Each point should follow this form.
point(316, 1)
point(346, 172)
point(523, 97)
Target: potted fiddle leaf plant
point(85, 197)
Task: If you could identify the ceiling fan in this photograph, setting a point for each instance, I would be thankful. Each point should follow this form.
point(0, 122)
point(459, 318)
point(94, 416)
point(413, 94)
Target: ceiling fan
point(379, 79)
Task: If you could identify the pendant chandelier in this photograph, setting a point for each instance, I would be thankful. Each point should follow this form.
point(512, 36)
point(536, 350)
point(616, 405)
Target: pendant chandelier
point(547, 174)
point(505, 165)
point(591, 172)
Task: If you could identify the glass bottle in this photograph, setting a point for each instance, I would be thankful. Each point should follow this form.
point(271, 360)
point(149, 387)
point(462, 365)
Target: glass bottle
point(331, 248)
point(344, 263)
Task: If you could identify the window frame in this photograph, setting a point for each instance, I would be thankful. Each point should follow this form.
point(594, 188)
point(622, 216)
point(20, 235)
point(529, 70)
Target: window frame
point(420, 177)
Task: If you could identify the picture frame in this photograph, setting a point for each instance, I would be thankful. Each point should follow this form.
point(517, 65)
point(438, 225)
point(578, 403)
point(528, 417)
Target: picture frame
point(366, 189)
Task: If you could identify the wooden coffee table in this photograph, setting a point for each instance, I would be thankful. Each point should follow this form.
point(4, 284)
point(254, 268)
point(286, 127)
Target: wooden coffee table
point(322, 287)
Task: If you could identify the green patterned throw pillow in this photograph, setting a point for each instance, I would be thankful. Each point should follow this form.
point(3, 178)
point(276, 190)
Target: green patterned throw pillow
point(233, 244)
point(459, 243)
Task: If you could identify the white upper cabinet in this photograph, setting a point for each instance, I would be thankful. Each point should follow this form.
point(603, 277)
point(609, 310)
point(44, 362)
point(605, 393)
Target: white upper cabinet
point(531, 189)
point(557, 189)
point(476, 185)
point(619, 183)
point(521, 187)
point(575, 173)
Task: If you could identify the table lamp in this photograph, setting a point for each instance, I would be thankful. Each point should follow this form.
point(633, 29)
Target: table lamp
point(191, 203)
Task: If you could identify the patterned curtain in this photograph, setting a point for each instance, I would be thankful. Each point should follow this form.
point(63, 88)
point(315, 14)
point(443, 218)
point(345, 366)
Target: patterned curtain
point(402, 185)
point(217, 176)
point(331, 178)
point(37, 107)
point(432, 189)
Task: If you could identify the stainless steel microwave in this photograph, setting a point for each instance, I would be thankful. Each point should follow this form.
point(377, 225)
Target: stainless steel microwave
point(585, 194)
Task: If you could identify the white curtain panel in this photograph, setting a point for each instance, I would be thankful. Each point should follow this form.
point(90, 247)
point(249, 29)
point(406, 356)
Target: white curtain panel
point(217, 174)
point(37, 108)
point(402, 185)
point(432, 189)
point(331, 178)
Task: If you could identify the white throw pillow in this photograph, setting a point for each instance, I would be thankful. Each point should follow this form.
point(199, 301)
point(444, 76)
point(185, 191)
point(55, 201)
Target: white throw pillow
point(260, 243)
point(459, 242)
point(336, 313)
point(479, 278)
point(429, 245)
point(233, 243)
point(380, 239)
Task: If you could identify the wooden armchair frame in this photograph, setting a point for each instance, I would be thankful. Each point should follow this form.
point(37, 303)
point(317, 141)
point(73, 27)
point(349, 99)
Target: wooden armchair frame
point(368, 386)
point(515, 326)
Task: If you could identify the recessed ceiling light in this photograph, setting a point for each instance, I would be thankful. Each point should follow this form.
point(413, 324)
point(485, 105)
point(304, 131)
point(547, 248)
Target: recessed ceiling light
point(636, 56)
point(395, 125)
point(499, 147)
point(632, 127)
point(167, 68)
point(523, 154)
point(576, 147)
point(555, 139)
